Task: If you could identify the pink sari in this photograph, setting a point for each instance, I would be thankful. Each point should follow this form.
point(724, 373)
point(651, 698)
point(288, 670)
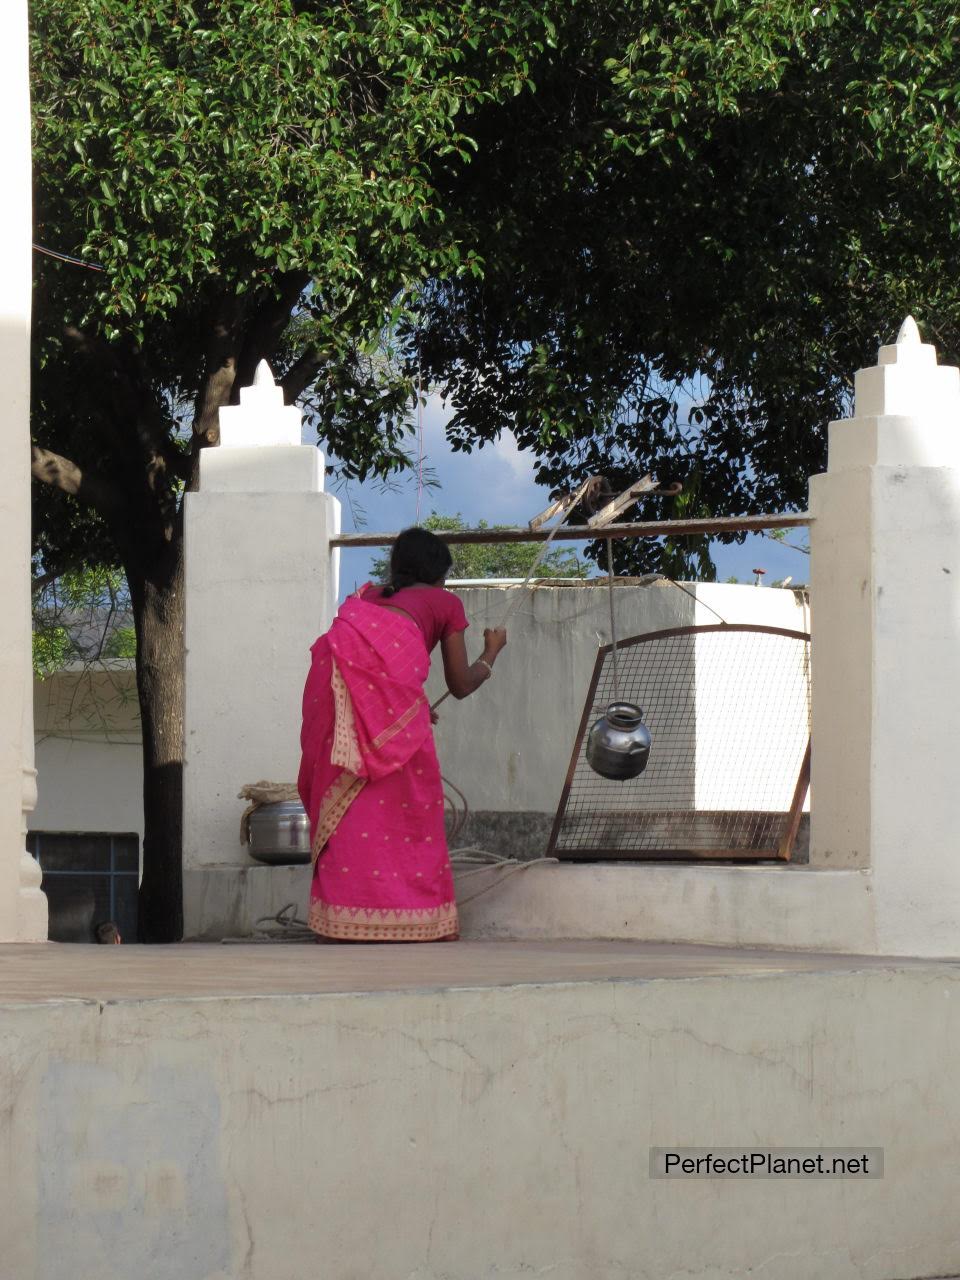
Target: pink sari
point(370, 781)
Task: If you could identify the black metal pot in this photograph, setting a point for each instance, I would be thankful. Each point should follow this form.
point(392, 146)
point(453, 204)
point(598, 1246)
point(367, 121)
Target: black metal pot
point(618, 745)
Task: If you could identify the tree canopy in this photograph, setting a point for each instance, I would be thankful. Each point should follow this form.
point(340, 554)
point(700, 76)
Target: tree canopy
point(645, 235)
point(718, 211)
point(82, 616)
point(244, 181)
point(226, 167)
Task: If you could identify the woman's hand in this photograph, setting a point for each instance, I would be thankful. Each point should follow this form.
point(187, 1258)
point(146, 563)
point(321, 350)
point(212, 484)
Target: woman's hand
point(434, 716)
point(465, 677)
point(494, 639)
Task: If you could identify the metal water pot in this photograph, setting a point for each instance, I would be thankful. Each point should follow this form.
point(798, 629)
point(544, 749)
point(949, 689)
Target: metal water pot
point(280, 833)
point(618, 745)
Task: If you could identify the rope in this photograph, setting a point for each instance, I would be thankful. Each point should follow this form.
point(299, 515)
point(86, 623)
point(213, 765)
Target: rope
point(695, 598)
point(480, 859)
point(569, 504)
point(459, 816)
point(613, 622)
point(509, 870)
point(419, 433)
point(289, 927)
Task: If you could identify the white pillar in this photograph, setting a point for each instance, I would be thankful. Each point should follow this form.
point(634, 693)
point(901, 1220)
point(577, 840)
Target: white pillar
point(885, 603)
point(23, 908)
point(261, 585)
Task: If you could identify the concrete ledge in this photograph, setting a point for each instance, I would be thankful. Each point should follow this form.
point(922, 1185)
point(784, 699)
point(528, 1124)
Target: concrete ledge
point(226, 902)
point(769, 906)
point(460, 1134)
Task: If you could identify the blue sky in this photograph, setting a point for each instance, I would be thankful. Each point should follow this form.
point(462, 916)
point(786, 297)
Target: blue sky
point(495, 483)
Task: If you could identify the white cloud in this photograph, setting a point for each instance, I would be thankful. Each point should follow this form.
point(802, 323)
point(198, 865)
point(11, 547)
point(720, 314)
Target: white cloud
point(511, 455)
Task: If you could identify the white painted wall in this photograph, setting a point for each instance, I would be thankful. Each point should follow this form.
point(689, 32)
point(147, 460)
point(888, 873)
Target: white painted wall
point(495, 1132)
point(23, 908)
point(89, 786)
point(752, 701)
point(88, 751)
point(886, 654)
point(261, 586)
point(508, 747)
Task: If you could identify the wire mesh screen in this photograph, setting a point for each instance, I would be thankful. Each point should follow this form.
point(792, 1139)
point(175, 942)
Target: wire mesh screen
point(728, 708)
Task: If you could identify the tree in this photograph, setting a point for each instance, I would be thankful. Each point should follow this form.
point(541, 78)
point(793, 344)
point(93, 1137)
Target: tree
point(644, 235)
point(495, 560)
point(243, 180)
point(717, 212)
point(80, 616)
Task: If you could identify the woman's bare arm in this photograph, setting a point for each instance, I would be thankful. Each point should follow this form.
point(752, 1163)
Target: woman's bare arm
point(462, 676)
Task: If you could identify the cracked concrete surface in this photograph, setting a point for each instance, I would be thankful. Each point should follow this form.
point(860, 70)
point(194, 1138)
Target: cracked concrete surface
point(457, 1112)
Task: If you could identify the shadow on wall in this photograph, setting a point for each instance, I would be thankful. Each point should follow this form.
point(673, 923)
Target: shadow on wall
point(72, 910)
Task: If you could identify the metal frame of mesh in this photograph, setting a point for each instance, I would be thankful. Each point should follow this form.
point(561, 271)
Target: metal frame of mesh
point(728, 707)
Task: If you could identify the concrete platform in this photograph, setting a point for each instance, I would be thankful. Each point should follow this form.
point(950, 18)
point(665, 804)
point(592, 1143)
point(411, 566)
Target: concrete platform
point(39, 973)
point(471, 1110)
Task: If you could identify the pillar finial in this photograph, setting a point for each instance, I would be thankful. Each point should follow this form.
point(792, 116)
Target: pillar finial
point(261, 417)
point(906, 410)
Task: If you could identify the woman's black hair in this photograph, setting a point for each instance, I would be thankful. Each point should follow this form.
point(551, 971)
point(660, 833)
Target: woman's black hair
point(417, 556)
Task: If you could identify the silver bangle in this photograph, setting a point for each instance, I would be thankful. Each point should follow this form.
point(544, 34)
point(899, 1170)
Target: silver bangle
point(484, 663)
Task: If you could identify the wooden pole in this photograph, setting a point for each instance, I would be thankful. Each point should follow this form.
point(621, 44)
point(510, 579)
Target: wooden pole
point(583, 533)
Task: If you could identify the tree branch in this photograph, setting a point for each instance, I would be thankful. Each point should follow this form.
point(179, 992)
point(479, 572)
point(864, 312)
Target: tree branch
point(220, 372)
point(43, 580)
point(60, 473)
point(232, 362)
point(267, 327)
point(125, 378)
point(301, 374)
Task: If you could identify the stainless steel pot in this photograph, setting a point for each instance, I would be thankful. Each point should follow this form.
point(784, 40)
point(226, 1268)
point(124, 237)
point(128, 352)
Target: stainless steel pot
point(618, 745)
point(280, 833)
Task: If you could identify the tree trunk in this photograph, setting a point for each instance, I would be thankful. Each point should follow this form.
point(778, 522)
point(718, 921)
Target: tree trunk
point(157, 597)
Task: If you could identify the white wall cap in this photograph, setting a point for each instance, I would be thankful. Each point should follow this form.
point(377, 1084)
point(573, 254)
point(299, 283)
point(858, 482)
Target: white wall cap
point(908, 388)
point(908, 348)
point(894, 441)
point(920, 355)
point(261, 418)
point(295, 468)
point(906, 410)
point(907, 381)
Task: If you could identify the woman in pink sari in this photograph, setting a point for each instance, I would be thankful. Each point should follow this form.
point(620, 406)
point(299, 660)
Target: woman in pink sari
point(369, 775)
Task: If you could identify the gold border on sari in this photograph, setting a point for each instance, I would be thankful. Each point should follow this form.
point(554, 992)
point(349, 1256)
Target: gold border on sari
point(392, 730)
point(373, 924)
point(346, 747)
point(345, 752)
point(337, 799)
